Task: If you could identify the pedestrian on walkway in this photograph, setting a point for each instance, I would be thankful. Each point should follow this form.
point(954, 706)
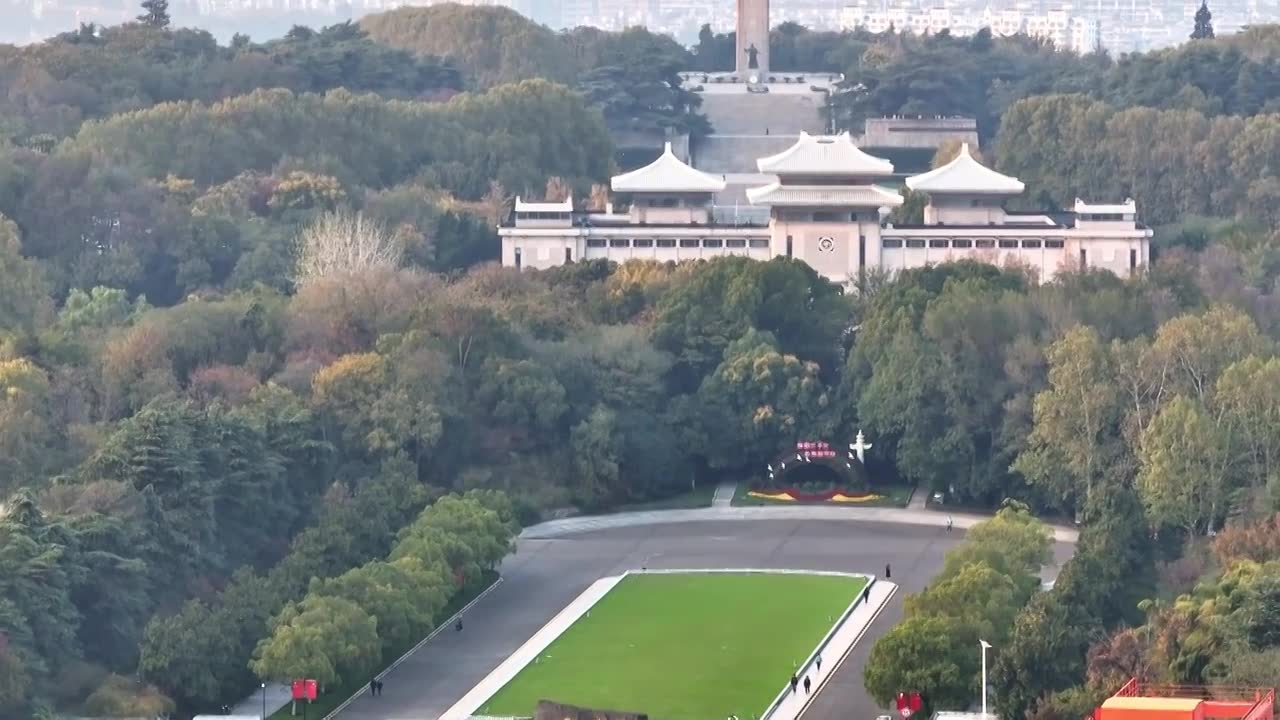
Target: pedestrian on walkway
point(794, 682)
point(950, 523)
point(373, 687)
point(379, 688)
point(806, 684)
point(888, 571)
point(819, 663)
point(458, 627)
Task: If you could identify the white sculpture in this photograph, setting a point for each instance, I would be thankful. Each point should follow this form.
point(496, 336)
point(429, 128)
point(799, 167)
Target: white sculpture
point(860, 446)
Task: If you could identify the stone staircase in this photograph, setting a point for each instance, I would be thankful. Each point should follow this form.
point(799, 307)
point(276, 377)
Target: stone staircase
point(747, 126)
point(781, 113)
point(723, 154)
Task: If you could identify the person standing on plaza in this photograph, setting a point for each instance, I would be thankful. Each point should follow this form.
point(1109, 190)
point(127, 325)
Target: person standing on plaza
point(806, 684)
point(794, 681)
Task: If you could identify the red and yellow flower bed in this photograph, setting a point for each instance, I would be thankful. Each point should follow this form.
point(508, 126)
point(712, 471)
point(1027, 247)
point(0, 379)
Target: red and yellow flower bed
point(794, 495)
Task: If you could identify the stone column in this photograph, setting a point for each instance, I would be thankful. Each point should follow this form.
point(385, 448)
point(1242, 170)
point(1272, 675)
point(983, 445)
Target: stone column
point(753, 32)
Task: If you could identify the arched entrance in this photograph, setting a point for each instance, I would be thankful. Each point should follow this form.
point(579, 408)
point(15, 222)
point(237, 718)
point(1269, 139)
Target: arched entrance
point(816, 467)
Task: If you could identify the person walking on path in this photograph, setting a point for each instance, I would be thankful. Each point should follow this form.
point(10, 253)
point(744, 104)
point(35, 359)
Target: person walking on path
point(458, 627)
point(819, 663)
point(806, 684)
point(950, 523)
point(888, 571)
point(794, 682)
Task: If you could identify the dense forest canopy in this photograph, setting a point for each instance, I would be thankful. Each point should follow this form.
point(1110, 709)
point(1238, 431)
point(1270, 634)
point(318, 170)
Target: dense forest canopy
point(216, 429)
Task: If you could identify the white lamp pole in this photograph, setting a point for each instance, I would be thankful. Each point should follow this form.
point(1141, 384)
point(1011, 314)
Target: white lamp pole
point(985, 647)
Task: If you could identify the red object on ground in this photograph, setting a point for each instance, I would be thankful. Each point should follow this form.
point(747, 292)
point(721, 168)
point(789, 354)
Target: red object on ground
point(299, 690)
point(310, 687)
point(909, 703)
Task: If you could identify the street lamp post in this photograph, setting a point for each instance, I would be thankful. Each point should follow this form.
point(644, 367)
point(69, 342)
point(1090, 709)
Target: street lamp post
point(985, 647)
point(264, 701)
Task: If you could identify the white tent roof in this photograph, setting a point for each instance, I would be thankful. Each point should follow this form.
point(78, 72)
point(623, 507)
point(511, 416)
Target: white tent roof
point(667, 174)
point(819, 195)
point(824, 155)
point(556, 207)
point(964, 175)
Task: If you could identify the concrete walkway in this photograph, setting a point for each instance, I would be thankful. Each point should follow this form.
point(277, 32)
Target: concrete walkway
point(529, 652)
point(898, 516)
point(277, 694)
point(724, 495)
point(919, 499)
point(833, 654)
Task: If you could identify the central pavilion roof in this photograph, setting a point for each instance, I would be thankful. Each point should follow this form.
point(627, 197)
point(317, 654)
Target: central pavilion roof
point(965, 176)
point(667, 174)
point(824, 195)
point(824, 155)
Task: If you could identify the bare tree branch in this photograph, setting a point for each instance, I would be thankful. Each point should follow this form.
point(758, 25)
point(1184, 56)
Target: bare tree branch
point(344, 242)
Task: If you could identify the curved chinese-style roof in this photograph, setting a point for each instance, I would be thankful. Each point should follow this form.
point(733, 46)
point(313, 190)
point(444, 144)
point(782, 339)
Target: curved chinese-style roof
point(965, 176)
point(777, 194)
point(667, 174)
point(824, 155)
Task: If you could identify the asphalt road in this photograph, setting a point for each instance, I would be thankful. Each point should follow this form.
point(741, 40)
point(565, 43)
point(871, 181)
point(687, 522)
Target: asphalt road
point(544, 575)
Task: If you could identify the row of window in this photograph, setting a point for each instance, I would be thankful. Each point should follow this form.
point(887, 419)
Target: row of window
point(819, 216)
point(544, 215)
point(965, 243)
point(711, 243)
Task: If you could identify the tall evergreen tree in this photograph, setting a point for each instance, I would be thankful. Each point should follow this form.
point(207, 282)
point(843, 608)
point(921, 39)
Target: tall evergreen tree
point(1204, 23)
point(157, 13)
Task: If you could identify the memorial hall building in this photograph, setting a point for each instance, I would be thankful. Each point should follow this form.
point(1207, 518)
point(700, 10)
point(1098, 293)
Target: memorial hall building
point(827, 206)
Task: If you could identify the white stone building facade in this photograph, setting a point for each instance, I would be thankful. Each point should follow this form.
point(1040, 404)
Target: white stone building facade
point(826, 208)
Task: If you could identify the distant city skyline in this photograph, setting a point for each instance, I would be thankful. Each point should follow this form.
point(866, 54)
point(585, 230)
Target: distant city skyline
point(1114, 25)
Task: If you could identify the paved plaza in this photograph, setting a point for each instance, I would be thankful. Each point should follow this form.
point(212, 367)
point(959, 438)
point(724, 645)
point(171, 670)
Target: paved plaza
point(556, 562)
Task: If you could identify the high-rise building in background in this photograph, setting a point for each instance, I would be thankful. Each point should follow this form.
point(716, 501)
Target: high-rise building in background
point(1117, 26)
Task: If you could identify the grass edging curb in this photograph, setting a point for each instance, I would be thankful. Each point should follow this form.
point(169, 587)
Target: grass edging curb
point(864, 595)
point(849, 650)
point(439, 628)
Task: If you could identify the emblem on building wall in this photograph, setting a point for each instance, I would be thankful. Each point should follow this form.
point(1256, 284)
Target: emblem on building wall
point(826, 244)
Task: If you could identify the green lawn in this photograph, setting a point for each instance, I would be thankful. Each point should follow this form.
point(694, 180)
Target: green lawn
point(685, 646)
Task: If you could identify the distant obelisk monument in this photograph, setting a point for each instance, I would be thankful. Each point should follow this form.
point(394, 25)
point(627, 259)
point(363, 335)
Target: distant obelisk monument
point(753, 39)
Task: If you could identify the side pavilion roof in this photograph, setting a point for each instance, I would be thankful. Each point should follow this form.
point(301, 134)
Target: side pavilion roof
point(965, 176)
point(667, 174)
